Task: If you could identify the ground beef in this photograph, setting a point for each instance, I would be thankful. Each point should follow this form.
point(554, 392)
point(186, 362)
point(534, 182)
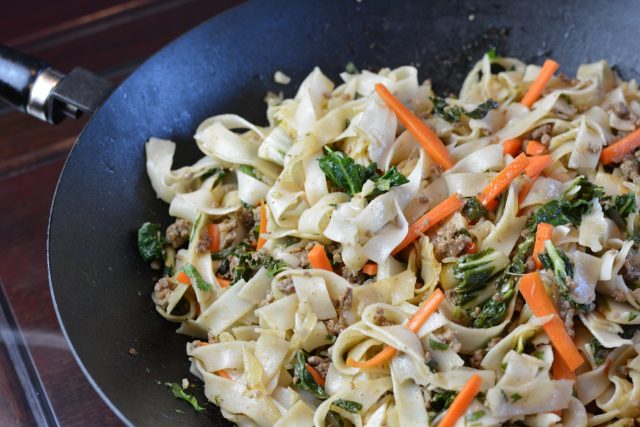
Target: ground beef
point(336, 325)
point(356, 278)
point(163, 287)
point(542, 133)
point(476, 358)
point(204, 244)
point(286, 286)
point(302, 254)
point(228, 232)
point(449, 242)
point(621, 110)
point(448, 337)
point(321, 364)
point(631, 268)
point(246, 217)
point(630, 167)
point(178, 233)
point(379, 318)
point(346, 299)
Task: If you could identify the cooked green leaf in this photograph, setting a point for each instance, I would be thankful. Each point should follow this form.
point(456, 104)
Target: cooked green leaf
point(515, 397)
point(441, 399)
point(473, 209)
point(196, 278)
point(305, 380)
point(453, 113)
point(474, 271)
point(150, 242)
point(348, 405)
point(481, 110)
point(437, 345)
point(475, 416)
point(344, 173)
point(247, 170)
point(392, 178)
point(179, 393)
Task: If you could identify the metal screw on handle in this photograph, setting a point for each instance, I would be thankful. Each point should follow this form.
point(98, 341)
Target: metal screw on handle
point(34, 87)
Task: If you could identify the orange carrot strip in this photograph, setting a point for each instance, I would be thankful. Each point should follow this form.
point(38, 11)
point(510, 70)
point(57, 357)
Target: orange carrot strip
point(263, 225)
point(537, 164)
point(472, 248)
point(318, 258)
point(462, 401)
point(616, 151)
point(535, 90)
point(560, 370)
point(428, 307)
point(222, 373)
point(214, 237)
point(425, 310)
point(370, 269)
point(183, 278)
point(535, 148)
point(511, 146)
point(420, 131)
point(315, 374)
point(431, 218)
point(224, 283)
point(543, 233)
point(502, 181)
point(538, 300)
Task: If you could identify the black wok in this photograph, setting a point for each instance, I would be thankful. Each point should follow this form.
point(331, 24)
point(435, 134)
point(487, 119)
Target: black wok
point(101, 286)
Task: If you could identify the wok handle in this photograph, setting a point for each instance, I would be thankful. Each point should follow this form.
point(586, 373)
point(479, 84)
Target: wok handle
point(34, 87)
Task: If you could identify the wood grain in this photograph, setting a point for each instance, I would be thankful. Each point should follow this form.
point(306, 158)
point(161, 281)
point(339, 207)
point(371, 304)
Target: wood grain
point(110, 37)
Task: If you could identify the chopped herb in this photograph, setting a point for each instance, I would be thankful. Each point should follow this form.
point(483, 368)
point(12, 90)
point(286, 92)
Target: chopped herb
point(194, 228)
point(351, 68)
point(475, 416)
point(179, 393)
point(305, 380)
point(633, 315)
point(213, 171)
point(437, 345)
point(491, 53)
point(515, 397)
point(348, 405)
point(196, 278)
point(331, 338)
point(453, 113)
point(150, 242)
point(473, 209)
point(441, 399)
point(349, 176)
point(248, 262)
point(433, 365)
point(248, 170)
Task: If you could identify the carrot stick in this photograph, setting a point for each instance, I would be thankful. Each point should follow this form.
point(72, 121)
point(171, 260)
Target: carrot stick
point(420, 131)
point(428, 307)
point(502, 181)
point(538, 300)
point(543, 233)
point(183, 278)
point(431, 218)
point(222, 373)
point(214, 237)
point(263, 226)
point(318, 258)
point(224, 283)
point(462, 401)
point(616, 151)
point(472, 248)
point(370, 269)
point(535, 90)
point(315, 374)
point(537, 164)
point(535, 148)
point(511, 146)
point(560, 370)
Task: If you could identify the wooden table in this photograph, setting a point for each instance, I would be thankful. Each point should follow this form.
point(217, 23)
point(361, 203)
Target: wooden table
point(40, 382)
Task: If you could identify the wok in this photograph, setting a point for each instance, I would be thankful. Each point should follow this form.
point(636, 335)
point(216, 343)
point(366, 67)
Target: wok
point(100, 285)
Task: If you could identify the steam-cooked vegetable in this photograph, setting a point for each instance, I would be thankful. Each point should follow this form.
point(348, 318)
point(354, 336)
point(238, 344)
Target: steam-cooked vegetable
point(150, 242)
point(475, 271)
point(453, 113)
point(557, 261)
point(305, 379)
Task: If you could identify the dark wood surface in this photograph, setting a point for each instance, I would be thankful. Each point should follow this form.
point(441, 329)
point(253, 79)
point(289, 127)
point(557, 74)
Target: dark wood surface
point(110, 37)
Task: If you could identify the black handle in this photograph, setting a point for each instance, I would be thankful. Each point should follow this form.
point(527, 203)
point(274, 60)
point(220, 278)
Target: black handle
point(34, 87)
